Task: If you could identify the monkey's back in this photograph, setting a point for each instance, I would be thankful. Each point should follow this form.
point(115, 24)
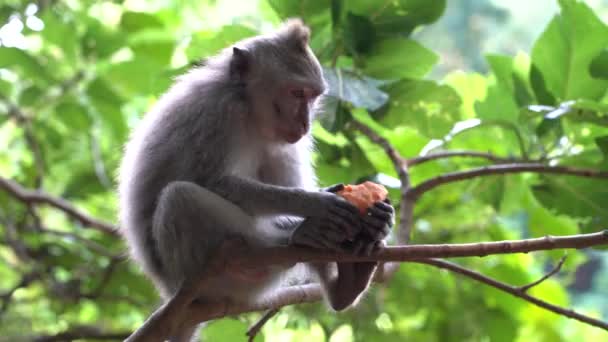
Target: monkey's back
point(176, 141)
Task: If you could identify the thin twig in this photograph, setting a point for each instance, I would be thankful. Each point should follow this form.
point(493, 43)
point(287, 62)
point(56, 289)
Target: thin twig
point(406, 205)
point(513, 290)
point(553, 271)
point(255, 328)
point(25, 281)
point(82, 333)
point(90, 244)
point(37, 196)
point(503, 169)
point(453, 154)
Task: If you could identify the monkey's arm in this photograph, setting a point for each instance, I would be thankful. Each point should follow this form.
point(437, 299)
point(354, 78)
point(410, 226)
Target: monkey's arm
point(257, 198)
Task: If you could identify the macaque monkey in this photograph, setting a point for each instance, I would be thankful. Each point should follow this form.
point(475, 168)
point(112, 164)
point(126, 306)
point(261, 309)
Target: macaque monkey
point(226, 153)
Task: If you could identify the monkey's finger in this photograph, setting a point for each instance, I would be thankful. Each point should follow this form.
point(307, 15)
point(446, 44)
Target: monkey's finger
point(380, 213)
point(384, 207)
point(348, 224)
point(334, 188)
point(373, 223)
point(344, 204)
point(332, 234)
point(327, 243)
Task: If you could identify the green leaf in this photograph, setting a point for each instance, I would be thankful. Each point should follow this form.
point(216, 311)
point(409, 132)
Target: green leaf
point(599, 65)
point(30, 95)
point(74, 115)
point(297, 8)
point(336, 12)
point(157, 46)
point(358, 90)
point(398, 17)
point(59, 30)
point(137, 21)
point(209, 43)
point(602, 143)
point(540, 221)
point(398, 58)
point(566, 49)
point(26, 64)
point(101, 41)
point(431, 108)
point(508, 78)
point(498, 105)
point(537, 81)
point(359, 34)
point(471, 88)
point(225, 330)
point(108, 105)
point(137, 76)
point(576, 197)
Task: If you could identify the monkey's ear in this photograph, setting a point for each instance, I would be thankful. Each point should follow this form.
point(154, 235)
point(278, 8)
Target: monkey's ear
point(298, 34)
point(240, 63)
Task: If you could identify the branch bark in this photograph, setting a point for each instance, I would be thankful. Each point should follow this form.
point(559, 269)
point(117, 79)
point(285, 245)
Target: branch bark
point(519, 292)
point(28, 196)
point(183, 308)
point(501, 170)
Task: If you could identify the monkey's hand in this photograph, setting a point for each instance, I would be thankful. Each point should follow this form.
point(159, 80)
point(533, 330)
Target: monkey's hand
point(320, 233)
point(335, 212)
point(378, 220)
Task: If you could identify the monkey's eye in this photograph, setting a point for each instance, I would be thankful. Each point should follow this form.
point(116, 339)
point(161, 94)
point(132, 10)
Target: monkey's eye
point(298, 93)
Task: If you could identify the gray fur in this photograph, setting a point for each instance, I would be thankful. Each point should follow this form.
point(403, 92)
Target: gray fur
point(195, 172)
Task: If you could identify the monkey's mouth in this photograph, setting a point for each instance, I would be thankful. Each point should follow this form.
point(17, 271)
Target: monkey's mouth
point(293, 137)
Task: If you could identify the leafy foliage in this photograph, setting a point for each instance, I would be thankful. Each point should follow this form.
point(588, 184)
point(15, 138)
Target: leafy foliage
point(68, 99)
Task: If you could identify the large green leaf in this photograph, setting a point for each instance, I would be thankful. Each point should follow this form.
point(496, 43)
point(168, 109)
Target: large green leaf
point(59, 30)
point(566, 49)
point(580, 198)
point(425, 105)
point(136, 21)
point(25, 64)
point(359, 34)
point(398, 17)
point(599, 65)
point(298, 8)
point(360, 91)
point(398, 58)
point(108, 104)
point(209, 43)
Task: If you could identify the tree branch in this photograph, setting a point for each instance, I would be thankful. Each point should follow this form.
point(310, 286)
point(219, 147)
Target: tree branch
point(255, 328)
point(82, 332)
point(551, 273)
point(503, 169)
point(452, 154)
point(519, 292)
point(37, 196)
point(184, 309)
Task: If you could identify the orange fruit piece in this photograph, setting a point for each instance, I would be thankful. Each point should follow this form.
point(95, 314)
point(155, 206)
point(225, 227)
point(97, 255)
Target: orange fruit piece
point(364, 195)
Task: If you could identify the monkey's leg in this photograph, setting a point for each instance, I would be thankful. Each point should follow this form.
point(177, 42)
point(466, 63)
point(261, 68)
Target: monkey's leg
point(191, 222)
point(343, 283)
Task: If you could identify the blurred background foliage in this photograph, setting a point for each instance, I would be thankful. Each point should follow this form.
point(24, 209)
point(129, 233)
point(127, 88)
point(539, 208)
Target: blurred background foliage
point(520, 79)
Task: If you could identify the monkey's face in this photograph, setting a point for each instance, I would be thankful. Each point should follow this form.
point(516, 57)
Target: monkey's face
point(292, 110)
point(284, 82)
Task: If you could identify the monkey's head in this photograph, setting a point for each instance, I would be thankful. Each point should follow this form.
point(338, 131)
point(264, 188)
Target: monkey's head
point(283, 81)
